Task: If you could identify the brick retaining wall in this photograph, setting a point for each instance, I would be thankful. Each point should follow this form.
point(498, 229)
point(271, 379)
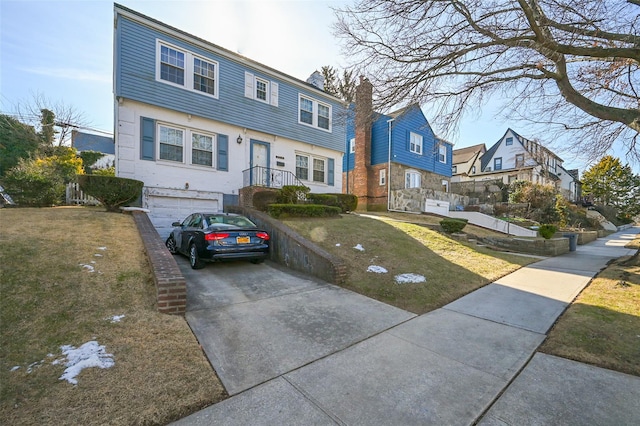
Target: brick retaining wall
point(171, 286)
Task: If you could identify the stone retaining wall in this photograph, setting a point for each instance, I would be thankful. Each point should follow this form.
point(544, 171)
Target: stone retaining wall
point(585, 237)
point(537, 246)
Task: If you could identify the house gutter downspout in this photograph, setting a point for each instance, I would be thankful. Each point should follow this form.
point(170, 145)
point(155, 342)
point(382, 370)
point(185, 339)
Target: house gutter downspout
point(389, 122)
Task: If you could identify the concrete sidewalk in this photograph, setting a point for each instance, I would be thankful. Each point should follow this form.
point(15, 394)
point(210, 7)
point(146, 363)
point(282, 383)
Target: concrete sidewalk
point(474, 360)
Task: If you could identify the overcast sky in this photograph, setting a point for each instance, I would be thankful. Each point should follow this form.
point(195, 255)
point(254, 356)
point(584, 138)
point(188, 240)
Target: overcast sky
point(64, 50)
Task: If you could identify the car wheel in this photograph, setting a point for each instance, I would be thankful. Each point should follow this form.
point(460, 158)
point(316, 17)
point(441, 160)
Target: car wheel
point(194, 260)
point(256, 261)
point(171, 245)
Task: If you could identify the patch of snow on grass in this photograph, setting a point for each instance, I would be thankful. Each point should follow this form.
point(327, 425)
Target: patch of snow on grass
point(338, 245)
point(90, 354)
point(409, 278)
point(89, 268)
point(377, 269)
point(359, 247)
point(115, 318)
point(102, 248)
point(15, 368)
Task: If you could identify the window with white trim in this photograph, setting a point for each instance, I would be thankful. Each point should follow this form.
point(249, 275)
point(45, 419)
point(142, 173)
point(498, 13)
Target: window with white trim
point(383, 177)
point(454, 169)
point(509, 141)
point(311, 168)
point(260, 89)
point(352, 145)
point(519, 160)
point(186, 69)
point(442, 153)
point(412, 179)
point(314, 113)
point(204, 76)
point(302, 167)
point(172, 65)
point(415, 143)
point(445, 185)
point(323, 116)
point(185, 146)
point(171, 142)
point(201, 149)
point(318, 170)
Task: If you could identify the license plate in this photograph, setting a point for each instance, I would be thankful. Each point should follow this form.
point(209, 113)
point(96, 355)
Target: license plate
point(243, 240)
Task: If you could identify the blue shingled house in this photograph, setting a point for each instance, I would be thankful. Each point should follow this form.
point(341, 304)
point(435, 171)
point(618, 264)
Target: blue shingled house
point(393, 161)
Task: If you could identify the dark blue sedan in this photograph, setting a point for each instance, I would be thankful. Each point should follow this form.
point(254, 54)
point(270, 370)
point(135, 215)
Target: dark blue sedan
point(208, 237)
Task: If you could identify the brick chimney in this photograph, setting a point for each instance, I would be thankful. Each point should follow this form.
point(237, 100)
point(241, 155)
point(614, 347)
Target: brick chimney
point(364, 114)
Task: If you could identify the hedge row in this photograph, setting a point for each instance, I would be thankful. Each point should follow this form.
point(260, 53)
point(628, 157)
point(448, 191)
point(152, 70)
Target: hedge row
point(346, 202)
point(302, 210)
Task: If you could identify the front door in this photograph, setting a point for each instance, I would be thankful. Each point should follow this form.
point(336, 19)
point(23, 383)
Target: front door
point(259, 163)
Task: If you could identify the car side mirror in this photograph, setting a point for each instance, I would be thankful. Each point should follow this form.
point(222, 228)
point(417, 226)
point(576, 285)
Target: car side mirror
point(176, 224)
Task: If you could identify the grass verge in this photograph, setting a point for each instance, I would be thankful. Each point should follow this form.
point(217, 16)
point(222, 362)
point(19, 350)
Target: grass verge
point(602, 326)
point(451, 268)
point(49, 298)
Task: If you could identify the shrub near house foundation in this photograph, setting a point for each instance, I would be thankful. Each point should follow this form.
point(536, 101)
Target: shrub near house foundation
point(302, 210)
point(111, 191)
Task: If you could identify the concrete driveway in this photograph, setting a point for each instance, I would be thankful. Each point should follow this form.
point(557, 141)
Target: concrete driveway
point(258, 322)
point(294, 351)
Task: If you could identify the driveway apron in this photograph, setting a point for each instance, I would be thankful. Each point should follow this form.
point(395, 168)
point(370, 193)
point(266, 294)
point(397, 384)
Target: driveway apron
point(257, 322)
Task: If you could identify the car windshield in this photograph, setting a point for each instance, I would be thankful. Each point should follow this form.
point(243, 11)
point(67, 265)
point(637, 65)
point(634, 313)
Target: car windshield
point(231, 221)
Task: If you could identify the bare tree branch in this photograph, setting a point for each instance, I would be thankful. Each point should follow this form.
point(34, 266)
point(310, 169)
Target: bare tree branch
point(574, 64)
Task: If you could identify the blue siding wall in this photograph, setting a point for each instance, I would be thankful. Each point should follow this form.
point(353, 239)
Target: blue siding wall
point(135, 55)
point(348, 161)
point(380, 140)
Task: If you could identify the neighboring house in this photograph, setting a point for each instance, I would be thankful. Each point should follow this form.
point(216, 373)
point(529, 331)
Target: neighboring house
point(89, 142)
point(389, 153)
point(514, 157)
point(198, 124)
point(466, 162)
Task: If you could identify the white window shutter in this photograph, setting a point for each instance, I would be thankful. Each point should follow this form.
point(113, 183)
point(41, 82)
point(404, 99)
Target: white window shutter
point(248, 85)
point(274, 93)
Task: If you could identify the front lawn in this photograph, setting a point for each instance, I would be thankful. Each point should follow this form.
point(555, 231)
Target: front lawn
point(450, 268)
point(602, 326)
point(74, 275)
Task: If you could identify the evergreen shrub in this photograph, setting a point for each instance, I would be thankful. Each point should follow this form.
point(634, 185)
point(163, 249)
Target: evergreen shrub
point(453, 225)
point(302, 210)
point(111, 191)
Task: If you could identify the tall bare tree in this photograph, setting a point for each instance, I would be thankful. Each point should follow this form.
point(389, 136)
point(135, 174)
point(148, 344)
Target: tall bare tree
point(570, 64)
point(54, 120)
